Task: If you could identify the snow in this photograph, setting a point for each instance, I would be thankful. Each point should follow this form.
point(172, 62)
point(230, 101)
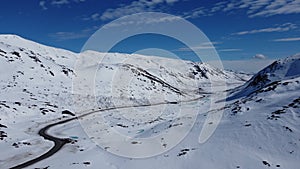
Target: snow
point(279, 70)
point(259, 126)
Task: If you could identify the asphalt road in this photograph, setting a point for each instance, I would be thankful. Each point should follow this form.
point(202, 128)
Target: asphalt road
point(60, 142)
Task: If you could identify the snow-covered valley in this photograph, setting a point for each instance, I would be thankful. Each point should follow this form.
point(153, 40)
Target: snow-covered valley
point(144, 97)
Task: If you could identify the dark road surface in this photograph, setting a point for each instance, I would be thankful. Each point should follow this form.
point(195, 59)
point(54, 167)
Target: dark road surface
point(60, 142)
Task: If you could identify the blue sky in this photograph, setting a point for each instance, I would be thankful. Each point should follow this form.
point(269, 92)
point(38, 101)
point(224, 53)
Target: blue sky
point(240, 30)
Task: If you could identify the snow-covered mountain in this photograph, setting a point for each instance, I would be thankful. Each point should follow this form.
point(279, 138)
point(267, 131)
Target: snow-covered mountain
point(271, 76)
point(259, 127)
point(46, 73)
point(264, 115)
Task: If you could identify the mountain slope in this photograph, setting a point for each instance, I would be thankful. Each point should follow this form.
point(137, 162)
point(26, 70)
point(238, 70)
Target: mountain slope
point(279, 70)
point(257, 131)
point(36, 86)
point(259, 128)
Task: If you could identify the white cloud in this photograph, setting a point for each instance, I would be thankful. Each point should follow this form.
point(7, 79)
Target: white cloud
point(196, 13)
point(43, 5)
point(60, 2)
point(134, 7)
point(254, 8)
point(287, 39)
point(256, 5)
point(137, 21)
point(282, 28)
point(259, 56)
point(61, 36)
point(278, 7)
point(95, 16)
point(218, 6)
point(203, 46)
point(229, 7)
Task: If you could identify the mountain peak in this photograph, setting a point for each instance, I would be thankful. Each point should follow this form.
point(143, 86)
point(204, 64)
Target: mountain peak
point(280, 70)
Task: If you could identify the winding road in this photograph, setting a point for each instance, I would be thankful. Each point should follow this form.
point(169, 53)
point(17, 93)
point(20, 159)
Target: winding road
point(60, 142)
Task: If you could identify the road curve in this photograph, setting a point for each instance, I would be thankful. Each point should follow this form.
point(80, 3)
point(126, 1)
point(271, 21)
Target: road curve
point(60, 142)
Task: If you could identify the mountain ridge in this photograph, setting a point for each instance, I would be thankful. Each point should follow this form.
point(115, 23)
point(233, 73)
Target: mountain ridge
point(282, 69)
point(258, 129)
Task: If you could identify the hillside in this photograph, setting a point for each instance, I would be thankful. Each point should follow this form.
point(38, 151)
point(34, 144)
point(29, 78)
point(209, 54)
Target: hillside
point(143, 98)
